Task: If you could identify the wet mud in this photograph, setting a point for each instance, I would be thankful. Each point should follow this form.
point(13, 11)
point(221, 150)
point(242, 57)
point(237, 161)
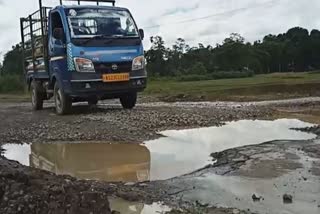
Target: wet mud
point(174, 158)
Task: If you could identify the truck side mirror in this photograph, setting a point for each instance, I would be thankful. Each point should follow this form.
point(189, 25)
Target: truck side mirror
point(141, 32)
point(58, 34)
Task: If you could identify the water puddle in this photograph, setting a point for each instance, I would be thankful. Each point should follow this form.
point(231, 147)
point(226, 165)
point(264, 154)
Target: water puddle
point(126, 207)
point(96, 161)
point(178, 153)
point(237, 191)
point(184, 151)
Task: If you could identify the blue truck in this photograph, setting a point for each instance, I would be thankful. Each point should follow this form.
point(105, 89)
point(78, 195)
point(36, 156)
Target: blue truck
point(83, 53)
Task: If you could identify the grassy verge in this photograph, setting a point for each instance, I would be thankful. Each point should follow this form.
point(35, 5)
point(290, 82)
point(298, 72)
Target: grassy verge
point(12, 88)
point(12, 84)
point(16, 97)
point(259, 87)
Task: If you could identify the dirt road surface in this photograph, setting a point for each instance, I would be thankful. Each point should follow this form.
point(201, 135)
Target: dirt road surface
point(190, 157)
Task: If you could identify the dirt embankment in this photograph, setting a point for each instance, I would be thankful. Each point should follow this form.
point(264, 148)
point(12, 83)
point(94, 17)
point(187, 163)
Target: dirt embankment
point(27, 190)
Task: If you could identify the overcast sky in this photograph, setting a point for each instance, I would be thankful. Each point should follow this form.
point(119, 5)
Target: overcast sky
point(205, 21)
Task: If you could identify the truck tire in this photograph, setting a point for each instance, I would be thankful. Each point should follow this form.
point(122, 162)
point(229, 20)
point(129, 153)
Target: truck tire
point(37, 95)
point(62, 101)
point(128, 101)
point(93, 101)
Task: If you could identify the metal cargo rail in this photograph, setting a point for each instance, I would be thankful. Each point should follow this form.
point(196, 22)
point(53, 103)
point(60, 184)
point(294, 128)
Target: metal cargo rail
point(34, 35)
point(97, 1)
point(34, 32)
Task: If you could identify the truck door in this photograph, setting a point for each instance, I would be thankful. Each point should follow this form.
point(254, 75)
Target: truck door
point(57, 44)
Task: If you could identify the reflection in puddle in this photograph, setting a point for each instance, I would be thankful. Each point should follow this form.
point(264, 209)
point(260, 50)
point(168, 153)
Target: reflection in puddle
point(97, 161)
point(232, 191)
point(179, 153)
point(108, 162)
point(126, 207)
point(184, 151)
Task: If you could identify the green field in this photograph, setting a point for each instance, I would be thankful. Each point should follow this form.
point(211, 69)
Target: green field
point(259, 87)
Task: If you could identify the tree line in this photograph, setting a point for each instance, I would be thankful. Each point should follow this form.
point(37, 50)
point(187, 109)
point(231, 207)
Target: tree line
point(296, 50)
point(12, 62)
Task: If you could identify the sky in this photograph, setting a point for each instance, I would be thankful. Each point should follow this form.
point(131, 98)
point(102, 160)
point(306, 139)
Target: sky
point(197, 21)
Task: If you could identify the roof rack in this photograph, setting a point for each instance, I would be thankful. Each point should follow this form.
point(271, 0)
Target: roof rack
point(97, 1)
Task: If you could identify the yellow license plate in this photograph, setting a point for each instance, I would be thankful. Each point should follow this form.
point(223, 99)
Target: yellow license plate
point(121, 77)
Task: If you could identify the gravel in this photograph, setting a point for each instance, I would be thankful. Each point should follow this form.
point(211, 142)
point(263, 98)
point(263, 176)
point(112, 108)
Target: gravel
point(111, 123)
point(35, 191)
point(27, 190)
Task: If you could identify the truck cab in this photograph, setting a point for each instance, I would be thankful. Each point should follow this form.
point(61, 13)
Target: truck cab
point(83, 53)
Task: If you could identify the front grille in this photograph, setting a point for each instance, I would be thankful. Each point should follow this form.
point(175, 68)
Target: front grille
point(103, 68)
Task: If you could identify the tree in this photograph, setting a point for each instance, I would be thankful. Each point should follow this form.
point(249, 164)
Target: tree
point(156, 56)
point(296, 50)
point(1, 70)
point(314, 46)
point(233, 54)
point(234, 38)
point(12, 63)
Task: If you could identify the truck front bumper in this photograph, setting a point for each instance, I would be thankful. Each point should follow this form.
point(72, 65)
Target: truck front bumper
point(83, 85)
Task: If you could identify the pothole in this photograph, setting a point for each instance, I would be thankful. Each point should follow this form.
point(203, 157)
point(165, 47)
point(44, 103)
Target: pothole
point(178, 153)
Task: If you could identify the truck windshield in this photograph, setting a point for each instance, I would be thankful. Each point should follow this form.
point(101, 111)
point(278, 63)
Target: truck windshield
point(88, 23)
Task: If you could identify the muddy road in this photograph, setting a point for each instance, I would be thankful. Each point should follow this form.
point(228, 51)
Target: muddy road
point(190, 157)
point(109, 122)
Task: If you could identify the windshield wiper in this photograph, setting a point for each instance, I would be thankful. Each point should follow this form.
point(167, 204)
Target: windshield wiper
point(110, 38)
point(114, 37)
point(96, 37)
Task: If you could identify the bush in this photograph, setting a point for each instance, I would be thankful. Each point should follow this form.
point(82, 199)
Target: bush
point(217, 75)
point(194, 77)
point(197, 69)
point(11, 83)
point(231, 74)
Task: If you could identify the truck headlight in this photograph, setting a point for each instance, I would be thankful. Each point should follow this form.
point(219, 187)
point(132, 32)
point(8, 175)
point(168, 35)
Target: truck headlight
point(83, 65)
point(138, 63)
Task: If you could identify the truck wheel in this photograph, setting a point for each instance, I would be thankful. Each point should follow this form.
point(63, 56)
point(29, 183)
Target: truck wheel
point(36, 95)
point(128, 101)
point(93, 101)
point(62, 101)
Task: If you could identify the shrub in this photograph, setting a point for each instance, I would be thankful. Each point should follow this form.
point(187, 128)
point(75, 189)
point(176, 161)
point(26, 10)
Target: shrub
point(194, 77)
point(11, 83)
point(197, 69)
point(231, 74)
point(216, 75)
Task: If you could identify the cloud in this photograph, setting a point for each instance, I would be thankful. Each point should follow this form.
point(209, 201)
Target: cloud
point(181, 9)
point(251, 18)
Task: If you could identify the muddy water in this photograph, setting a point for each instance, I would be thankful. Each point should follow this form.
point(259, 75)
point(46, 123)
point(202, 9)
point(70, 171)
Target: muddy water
point(237, 191)
point(184, 151)
point(178, 153)
point(126, 207)
point(97, 161)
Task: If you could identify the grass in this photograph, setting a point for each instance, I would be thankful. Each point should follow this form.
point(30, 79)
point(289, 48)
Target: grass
point(12, 84)
point(13, 88)
point(259, 87)
point(15, 97)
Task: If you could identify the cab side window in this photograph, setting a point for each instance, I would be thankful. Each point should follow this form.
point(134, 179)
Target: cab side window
point(57, 27)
